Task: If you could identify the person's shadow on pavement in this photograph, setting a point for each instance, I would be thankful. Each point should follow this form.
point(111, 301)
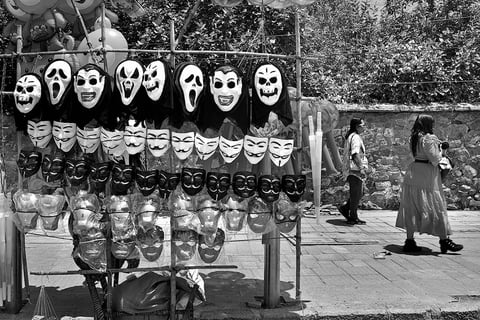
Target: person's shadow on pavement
point(339, 222)
point(394, 248)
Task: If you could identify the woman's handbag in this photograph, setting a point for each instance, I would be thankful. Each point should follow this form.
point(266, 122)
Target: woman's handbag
point(446, 165)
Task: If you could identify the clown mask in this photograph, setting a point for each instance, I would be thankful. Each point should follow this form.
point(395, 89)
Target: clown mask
point(40, 133)
point(29, 162)
point(244, 184)
point(254, 148)
point(192, 180)
point(191, 85)
point(210, 246)
point(27, 93)
point(167, 182)
point(58, 76)
point(88, 139)
point(280, 150)
point(100, 172)
point(122, 178)
point(218, 184)
point(134, 136)
point(128, 79)
point(184, 244)
point(158, 141)
point(226, 88)
point(89, 85)
point(112, 142)
point(150, 242)
point(182, 144)
point(230, 150)
point(268, 84)
point(205, 147)
point(53, 167)
point(77, 171)
point(294, 186)
point(146, 181)
point(154, 79)
point(64, 135)
point(259, 215)
point(269, 187)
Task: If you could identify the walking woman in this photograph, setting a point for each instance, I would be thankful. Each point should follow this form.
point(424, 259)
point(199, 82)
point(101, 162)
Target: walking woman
point(354, 166)
point(423, 207)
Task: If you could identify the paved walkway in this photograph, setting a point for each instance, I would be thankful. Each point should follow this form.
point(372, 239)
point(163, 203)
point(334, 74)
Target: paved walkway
point(339, 273)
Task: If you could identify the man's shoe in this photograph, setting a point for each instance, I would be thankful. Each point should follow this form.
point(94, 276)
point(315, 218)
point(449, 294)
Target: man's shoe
point(411, 246)
point(449, 245)
point(351, 222)
point(358, 221)
point(343, 211)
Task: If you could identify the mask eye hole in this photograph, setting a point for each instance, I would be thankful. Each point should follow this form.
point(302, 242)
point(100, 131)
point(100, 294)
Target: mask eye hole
point(189, 79)
point(29, 89)
point(218, 85)
point(198, 81)
point(93, 82)
point(80, 82)
point(231, 85)
point(262, 80)
point(273, 80)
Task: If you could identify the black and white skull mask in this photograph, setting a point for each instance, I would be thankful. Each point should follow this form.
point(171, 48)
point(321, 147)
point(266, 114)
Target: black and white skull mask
point(280, 150)
point(154, 79)
point(112, 142)
point(135, 136)
point(88, 139)
point(128, 79)
point(58, 78)
point(205, 147)
point(183, 143)
point(269, 187)
point(89, 85)
point(192, 180)
point(226, 87)
point(191, 83)
point(40, 133)
point(294, 186)
point(244, 184)
point(218, 184)
point(64, 135)
point(230, 149)
point(268, 84)
point(254, 148)
point(158, 141)
point(28, 92)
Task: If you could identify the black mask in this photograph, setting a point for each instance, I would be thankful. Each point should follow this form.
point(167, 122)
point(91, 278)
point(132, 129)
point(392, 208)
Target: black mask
point(269, 187)
point(184, 244)
point(294, 186)
point(244, 184)
point(167, 182)
point(122, 178)
point(53, 167)
point(209, 249)
point(29, 162)
point(218, 184)
point(146, 181)
point(193, 180)
point(100, 174)
point(77, 171)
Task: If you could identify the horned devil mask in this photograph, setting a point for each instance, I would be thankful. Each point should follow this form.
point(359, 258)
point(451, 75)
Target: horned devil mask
point(154, 79)
point(128, 79)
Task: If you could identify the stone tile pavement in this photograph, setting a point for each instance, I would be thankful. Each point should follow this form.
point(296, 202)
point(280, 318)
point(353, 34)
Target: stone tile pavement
point(339, 272)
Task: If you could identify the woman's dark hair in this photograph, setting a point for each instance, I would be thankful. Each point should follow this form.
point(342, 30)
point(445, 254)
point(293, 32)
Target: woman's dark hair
point(353, 126)
point(423, 125)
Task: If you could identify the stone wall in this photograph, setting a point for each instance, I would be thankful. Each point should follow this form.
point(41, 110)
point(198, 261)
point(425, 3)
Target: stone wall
point(387, 142)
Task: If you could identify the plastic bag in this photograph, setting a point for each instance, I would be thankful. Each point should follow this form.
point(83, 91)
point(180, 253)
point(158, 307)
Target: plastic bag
point(44, 308)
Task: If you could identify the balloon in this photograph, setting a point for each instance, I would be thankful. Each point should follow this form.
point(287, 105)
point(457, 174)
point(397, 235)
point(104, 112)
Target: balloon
point(72, 59)
point(98, 23)
point(16, 11)
point(84, 6)
point(113, 40)
point(35, 6)
point(54, 18)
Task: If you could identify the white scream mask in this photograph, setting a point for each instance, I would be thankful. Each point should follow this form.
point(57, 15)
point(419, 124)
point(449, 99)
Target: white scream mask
point(128, 79)
point(268, 84)
point(254, 148)
point(154, 80)
point(191, 81)
point(40, 133)
point(280, 150)
point(57, 77)
point(112, 142)
point(158, 141)
point(182, 144)
point(229, 149)
point(89, 86)
point(205, 147)
point(135, 136)
point(28, 92)
point(64, 135)
point(226, 89)
point(88, 139)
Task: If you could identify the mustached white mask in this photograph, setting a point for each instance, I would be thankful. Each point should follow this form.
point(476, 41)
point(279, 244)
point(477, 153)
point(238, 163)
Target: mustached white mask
point(268, 84)
point(154, 80)
point(280, 150)
point(88, 139)
point(27, 94)
point(226, 89)
point(112, 142)
point(57, 77)
point(64, 135)
point(135, 136)
point(89, 86)
point(158, 141)
point(40, 133)
point(182, 144)
point(128, 79)
point(191, 82)
point(205, 147)
point(230, 149)
point(254, 148)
